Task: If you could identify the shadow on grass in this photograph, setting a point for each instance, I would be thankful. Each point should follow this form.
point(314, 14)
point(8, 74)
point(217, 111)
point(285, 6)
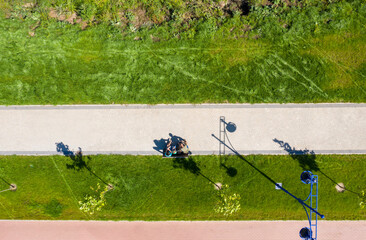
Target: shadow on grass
point(306, 159)
point(231, 148)
point(191, 166)
point(78, 160)
point(230, 171)
point(246, 161)
point(5, 181)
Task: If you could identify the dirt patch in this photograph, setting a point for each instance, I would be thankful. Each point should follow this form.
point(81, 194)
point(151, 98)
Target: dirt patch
point(246, 28)
point(155, 39)
point(84, 25)
point(30, 5)
point(122, 18)
point(222, 4)
point(7, 15)
point(291, 3)
point(139, 17)
point(78, 20)
point(62, 17)
point(36, 26)
point(266, 3)
point(72, 18)
point(52, 13)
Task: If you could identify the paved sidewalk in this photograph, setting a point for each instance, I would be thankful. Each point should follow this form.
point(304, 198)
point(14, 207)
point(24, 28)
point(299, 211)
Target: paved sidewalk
point(140, 129)
point(213, 230)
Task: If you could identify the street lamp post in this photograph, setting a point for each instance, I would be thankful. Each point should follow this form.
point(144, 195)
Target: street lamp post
point(306, 177)
point(307, 233)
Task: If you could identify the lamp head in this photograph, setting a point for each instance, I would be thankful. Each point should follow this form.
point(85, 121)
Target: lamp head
point(306, 177)
point(305, 233)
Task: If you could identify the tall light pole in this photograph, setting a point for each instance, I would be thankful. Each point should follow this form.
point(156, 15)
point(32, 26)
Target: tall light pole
point(306, 177)
point(305, 233)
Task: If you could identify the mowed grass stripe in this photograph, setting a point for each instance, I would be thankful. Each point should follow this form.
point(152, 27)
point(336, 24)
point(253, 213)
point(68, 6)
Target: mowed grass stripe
point(152, 188)
point(64, 65)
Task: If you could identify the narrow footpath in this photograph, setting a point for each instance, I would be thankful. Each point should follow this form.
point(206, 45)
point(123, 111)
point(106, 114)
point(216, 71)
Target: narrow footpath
point(143, 129)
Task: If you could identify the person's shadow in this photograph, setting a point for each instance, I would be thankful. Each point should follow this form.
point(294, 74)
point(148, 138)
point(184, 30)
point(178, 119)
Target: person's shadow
point(78, 160)
point(160, 144)
point(305, 158)
point(64, 149)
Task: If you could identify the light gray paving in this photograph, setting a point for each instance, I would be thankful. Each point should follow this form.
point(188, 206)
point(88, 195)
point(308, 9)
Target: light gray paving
point(132, 129)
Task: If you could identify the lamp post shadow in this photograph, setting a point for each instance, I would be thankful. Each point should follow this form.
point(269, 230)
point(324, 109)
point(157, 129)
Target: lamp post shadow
point(78, 160)
point(191, 166)
point(231, 148)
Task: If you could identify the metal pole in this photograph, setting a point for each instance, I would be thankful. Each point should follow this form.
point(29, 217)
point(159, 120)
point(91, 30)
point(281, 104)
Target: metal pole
point(298, 199)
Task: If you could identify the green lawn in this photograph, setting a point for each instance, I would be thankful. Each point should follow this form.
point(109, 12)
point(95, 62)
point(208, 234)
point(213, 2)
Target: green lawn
point(62, 64)
point(152, 188)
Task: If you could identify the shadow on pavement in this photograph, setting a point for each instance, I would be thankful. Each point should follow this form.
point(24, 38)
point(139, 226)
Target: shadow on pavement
point(161, 144)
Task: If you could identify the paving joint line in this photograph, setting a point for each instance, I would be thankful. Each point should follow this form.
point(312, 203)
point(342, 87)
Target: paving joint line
point(183, 106)
point(155, 153)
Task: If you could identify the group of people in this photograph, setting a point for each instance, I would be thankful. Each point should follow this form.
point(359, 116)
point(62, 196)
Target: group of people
point(179, 149)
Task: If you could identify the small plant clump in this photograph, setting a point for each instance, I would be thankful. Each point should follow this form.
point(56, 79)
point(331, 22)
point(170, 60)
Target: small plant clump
point(92, 203)
point(363, 199)
point(228, 203)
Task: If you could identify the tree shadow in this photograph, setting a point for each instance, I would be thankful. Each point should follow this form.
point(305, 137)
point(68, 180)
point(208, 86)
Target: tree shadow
point(191, 166)
point(78, 159)
point(305, 158)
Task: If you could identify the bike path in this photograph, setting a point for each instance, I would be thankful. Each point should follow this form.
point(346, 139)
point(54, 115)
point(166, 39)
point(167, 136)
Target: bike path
point(142, 129)
point(177, 230)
